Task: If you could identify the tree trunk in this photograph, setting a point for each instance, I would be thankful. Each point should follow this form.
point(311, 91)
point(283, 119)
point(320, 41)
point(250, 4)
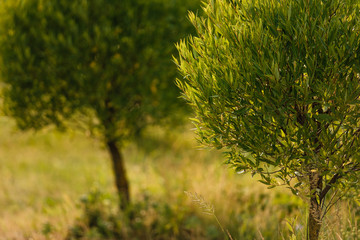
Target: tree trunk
point(119, 174)
point(315, 210)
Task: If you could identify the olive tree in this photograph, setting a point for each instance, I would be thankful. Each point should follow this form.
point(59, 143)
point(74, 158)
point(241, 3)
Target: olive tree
point(276, 84)
point(105, 61)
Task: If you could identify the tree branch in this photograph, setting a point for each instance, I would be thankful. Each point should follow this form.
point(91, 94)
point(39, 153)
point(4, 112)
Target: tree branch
point(328, 186)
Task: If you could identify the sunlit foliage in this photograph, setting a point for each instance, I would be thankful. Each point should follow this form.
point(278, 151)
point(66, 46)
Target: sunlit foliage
point(276, 83)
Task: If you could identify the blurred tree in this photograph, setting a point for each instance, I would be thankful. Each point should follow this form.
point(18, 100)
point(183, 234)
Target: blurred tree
point(105, 61)
point(277, 84)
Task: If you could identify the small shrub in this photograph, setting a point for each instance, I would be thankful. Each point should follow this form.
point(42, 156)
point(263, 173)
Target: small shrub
point(144, 219)
point(261, 215)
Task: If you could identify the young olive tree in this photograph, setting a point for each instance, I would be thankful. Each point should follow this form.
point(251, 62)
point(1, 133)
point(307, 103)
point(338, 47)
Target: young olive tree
point(107, 60)
point(276, 83)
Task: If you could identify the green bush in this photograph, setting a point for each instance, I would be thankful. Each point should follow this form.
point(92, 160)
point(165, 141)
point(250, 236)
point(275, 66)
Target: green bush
point(260, 215)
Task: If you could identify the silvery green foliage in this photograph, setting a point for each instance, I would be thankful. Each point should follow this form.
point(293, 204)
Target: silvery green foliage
point(276, 83)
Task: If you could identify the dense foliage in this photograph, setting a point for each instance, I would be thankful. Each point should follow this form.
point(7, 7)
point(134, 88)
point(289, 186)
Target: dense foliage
point(276, 83)
point(107, 62)
point(113, 57)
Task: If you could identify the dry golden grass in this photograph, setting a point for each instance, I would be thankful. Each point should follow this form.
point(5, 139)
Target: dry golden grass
point(43, 175)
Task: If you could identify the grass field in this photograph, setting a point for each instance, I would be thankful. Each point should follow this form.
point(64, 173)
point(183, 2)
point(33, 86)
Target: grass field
point(44, 175)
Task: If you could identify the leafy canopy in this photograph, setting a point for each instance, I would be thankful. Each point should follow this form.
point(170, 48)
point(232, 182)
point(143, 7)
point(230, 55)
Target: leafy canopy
point(277, 84)
point(106, 58)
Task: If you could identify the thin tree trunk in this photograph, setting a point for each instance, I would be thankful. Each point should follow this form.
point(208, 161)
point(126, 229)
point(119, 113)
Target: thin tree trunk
point(121, 181)
point(315, 210)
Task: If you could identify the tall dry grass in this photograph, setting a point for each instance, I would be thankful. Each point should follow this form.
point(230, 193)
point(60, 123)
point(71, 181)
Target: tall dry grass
point(43, 175)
